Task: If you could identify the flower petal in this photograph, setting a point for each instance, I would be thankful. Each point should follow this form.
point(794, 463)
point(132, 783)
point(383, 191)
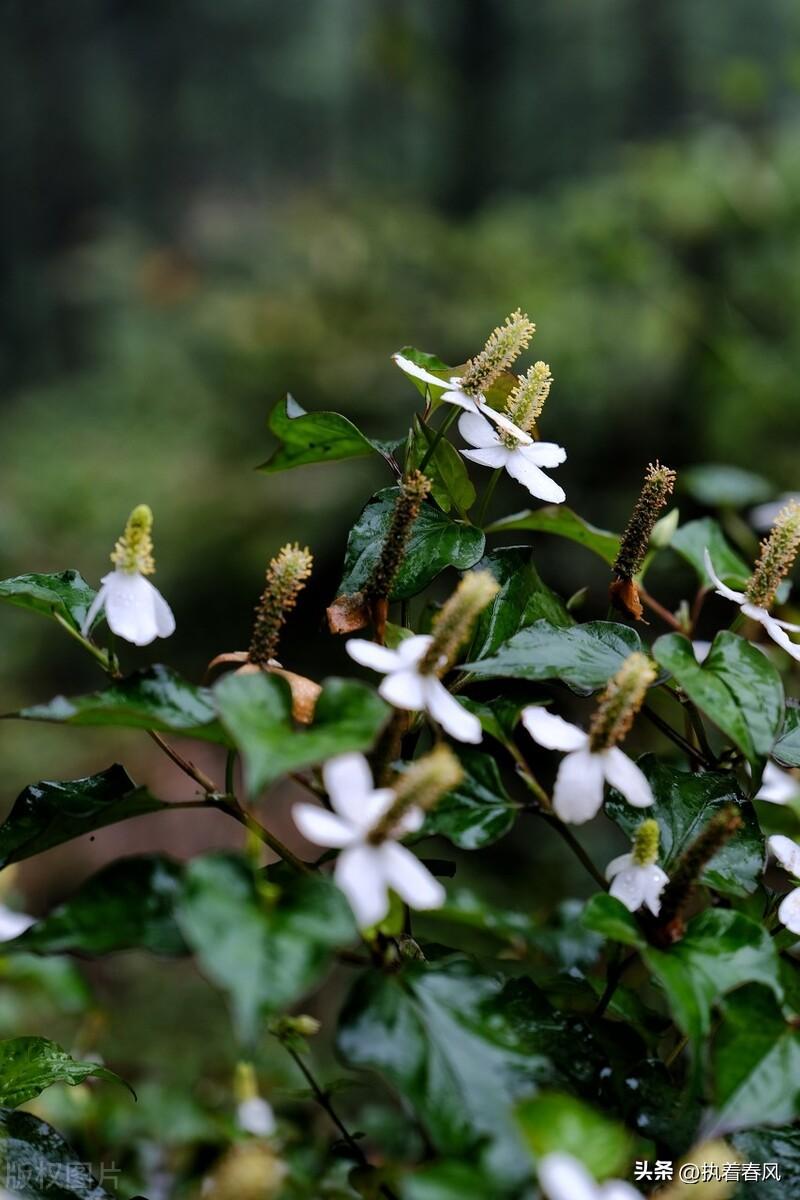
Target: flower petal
point(551, 731)
point(412, 649)
point(94, 609)
point(475, 429)
point(411, 368)
point(620, 863)
point(404, 689)
point(321, 827)
point(623, 774)
point(629, 888)
point(165, 619)
point(507, 425)
point(538, 484)
point(454, 395)
point(777, 786)
point(130, 611)
point(789, 911)
point(489, 456)
point(347, 779)
point(359, 872)
point(656, 882)
point(454, 719)
point(544, 454)
point(787, 853)
point(721, 588)
point(255, 1116)
point(578, 792)
point(410, 878)
point(12, 923)
point(780, 636)
point(369, 654)
point(562, 1177)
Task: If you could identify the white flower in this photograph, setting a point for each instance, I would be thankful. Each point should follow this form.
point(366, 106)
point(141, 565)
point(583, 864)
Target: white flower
point(453, 393)
point(787, 853)
point(406, 687)
point(255, 1116)
point(134, 608)
point(522, 461)
point(13, 923)
point(635, 885)
point(364, 871)
point(777, 786)
point(562, 1177)
point(776, 629)
point(578, 792)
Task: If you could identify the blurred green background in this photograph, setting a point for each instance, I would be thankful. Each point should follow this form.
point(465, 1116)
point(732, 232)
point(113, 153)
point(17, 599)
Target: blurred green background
point(208, 204)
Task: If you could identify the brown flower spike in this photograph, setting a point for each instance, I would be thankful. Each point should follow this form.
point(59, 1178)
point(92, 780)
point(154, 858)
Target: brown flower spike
point(659, 483)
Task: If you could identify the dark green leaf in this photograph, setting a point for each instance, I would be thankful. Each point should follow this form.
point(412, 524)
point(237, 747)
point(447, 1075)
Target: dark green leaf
point(583, 656)
point(28, 1065)
point(128, 905)
point(450, 1181)
point(523, 599)
point(787, 747)
point(257, 712)
point(436, 542)
point(563, 522)
point(266, 951)
point(446, 468)
point(769, 1145)
point(155, 698)
point(312, 437)
point(684, 804)
point(722, 486)
point(736, 687)
point(722, 950)
point(479, 811)
point(65, 594)
point(756, 1062)
point(39, 1165)
point(608, 916)
point(553, 1122)
point(48, 813)
point(693, 539)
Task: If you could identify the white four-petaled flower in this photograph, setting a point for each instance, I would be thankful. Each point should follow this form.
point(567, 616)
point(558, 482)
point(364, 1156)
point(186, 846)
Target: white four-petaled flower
point(563, 1177)
point(578, 791)
point(365, 871)
point(523, 460)
point(778, 630)
point(787, 853)
point(405, 686)
point(635, 884)
point(134, 608)
point(454, 394)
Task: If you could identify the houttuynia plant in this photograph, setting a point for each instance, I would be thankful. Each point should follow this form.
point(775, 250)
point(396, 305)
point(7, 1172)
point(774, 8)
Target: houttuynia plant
point(644, 1042)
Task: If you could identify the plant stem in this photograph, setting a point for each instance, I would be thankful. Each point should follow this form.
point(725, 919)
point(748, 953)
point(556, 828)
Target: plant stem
point(200, 778)
point(676, 737)
point(659, 609)
point(616, 971)
point(577, 849)
point(230, 773)
point(487, 495)
point(231, 806)
point(440, 432)
point(100, 655)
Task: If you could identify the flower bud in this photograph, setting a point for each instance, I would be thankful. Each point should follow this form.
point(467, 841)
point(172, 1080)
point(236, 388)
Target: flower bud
point(620, 702)
point(286, 577)
point(455, 622)
point(421, 786)
point(133, 552)
point(778, 552)
point(524, 405)
point(658, 486)
point(503, 346)
point(646, 844)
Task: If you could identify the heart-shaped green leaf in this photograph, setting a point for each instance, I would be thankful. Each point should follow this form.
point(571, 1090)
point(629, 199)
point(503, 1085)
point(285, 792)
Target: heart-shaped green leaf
point(787, 747)
point(257, 712)
point(556, 1123)
point(480, 810)
point(756, 1062)
point(40, 1165)
point(522, 600)
point(436, 543)
point(312, 437)
point(561, 521)
point(28, 1065)
point(693, 539)
point(446, 469)
point(65, 594)
point(736, 687)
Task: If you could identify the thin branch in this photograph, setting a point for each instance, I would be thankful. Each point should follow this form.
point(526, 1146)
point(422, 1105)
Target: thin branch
point(200, 778)
point(676, 737)
point(231, 806)
point(659, 609)
point(577, 849)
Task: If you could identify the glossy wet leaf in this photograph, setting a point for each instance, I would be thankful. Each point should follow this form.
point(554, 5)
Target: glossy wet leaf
point(128, 905)
point(51, 812)
point(28, 1065)
point(684, 804)
point(154, 698)
point(64, 593)
point(582, 656)
point(756, 1062)
point(266, 948)
point(446, 469)
point(480, 810)
point(38, 1159)
point(724, 486)
point(787, 747)
point(722, 950)
point(609, 917)
point(561, 521)
point(256, 710)
point(767, 1144)
point(312, 437)
point(691, 542)
point(554, 1122)
point(436, 543)
point(523, 599)
point(736, 687)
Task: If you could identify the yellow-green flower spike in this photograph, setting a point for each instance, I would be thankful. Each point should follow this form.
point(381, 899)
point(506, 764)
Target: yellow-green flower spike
point(778, 552)
point(503, 347)
point(245, 1084)
point(646, 844)
point(455, 622)
point(620, 702)
point(286, 577)
point(524, 405)
point(421, 786)
point(133, 552)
